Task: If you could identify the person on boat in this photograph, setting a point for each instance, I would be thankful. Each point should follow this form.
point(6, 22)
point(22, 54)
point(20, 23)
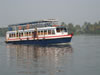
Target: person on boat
point(35, 33)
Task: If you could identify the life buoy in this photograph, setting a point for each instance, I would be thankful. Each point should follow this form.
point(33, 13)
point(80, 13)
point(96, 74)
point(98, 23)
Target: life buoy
point(19, 27)
point(28, 26)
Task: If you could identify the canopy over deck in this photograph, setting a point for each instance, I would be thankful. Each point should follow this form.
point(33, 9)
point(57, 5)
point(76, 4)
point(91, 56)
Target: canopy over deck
point(28, 25)
point(35, 22)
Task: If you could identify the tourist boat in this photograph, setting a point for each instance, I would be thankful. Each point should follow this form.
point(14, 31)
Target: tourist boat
point(42, 32)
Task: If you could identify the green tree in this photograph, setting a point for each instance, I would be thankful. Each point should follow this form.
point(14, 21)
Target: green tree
point(63, 24)
point(3, 31)
point(78, 29)
point(71, 28)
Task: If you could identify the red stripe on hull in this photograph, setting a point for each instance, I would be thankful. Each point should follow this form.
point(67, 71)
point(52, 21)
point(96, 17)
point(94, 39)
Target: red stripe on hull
point(58, 36)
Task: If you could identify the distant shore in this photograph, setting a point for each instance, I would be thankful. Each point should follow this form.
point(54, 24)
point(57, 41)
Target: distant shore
point(86, 29)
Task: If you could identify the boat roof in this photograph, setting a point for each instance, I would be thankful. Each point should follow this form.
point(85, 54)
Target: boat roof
point(34, 22)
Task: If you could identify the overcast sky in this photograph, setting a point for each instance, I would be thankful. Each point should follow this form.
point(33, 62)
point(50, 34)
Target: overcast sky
point(69, 11)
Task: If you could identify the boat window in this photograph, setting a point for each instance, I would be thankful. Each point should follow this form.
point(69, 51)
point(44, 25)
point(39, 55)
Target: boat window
point(39, 32)
point(13, 34)
point(61, 29)
point(26, 33)
point(17, 34)
point(58, 29)
point(53, 32)
point(65, 29)
point(49, 32)
point(42, 33)
point(45, 32)
point(9, 35)
point(21, 34)
point(30, 34)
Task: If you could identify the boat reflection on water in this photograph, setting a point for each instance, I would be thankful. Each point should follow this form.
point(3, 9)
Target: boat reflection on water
point(30, 59)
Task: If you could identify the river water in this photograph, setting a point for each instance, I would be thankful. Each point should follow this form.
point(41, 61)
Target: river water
point(81, 57)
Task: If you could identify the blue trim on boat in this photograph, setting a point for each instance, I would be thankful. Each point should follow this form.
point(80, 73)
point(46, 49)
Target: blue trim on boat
point(43, 41)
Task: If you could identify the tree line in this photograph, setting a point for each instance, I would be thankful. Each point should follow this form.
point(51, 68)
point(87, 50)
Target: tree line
point(86, 28)
point(3, 31)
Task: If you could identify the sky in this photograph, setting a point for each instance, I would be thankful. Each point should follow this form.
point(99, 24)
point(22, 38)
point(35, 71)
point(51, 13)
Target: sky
point(68, 11)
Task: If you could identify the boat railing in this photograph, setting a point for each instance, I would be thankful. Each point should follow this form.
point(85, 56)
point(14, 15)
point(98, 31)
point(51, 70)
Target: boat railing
point(29, 26)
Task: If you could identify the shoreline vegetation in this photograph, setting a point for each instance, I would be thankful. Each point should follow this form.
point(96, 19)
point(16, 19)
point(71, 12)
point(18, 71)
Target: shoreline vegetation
point(3, 31)
point(87, 28)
